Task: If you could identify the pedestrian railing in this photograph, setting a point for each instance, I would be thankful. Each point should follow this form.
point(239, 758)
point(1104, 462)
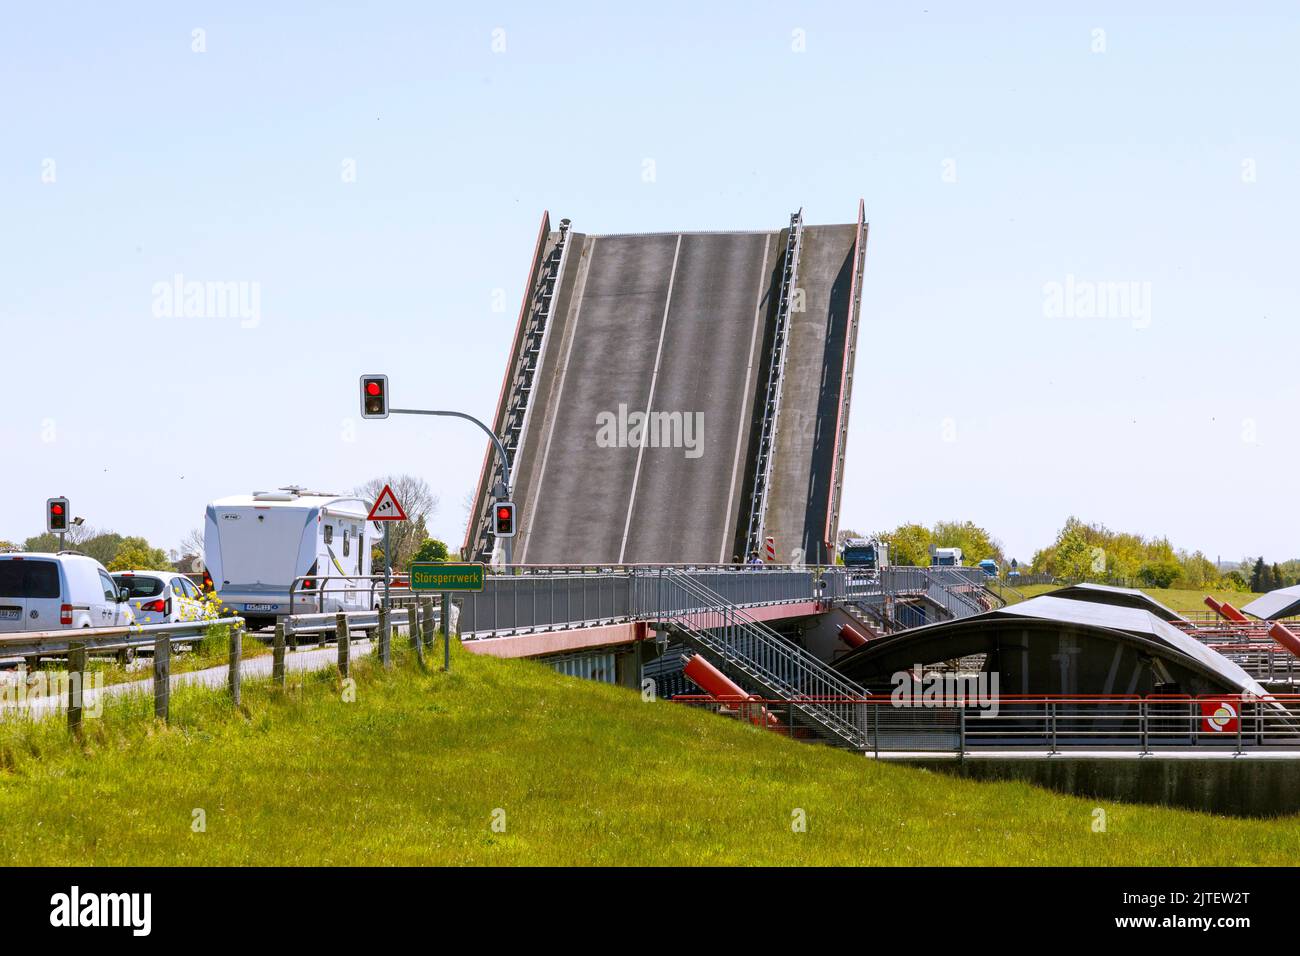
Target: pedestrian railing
point(530, 598)
point(813, 695)
point(1237, 723)
point(560, 597)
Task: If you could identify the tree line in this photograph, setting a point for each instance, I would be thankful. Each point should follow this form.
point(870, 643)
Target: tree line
point(1089, 551)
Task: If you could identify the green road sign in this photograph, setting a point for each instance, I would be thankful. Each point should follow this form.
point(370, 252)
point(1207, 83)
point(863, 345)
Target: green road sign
point(432, 576)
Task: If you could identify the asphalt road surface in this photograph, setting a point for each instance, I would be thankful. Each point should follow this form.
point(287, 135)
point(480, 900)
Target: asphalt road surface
point(674, 329)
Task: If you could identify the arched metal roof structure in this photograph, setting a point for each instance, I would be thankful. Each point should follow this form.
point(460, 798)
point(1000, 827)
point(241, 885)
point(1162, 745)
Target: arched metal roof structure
point(1284, 602)
point(1118, 597)
point(1052, 645)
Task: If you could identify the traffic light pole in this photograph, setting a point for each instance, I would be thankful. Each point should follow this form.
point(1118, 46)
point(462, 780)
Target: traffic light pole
point(501, 453)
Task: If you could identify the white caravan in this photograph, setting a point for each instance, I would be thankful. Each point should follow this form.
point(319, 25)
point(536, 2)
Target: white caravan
point(257, 545)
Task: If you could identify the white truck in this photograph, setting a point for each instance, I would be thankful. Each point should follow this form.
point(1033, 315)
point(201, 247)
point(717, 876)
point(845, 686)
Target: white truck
point(256, 546)
point(945, 558)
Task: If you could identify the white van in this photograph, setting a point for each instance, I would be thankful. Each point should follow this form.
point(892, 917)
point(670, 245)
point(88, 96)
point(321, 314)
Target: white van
point(256, 545)
point(46, 592)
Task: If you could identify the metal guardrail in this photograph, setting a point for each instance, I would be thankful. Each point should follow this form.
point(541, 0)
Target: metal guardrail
point(76, 645)
point(371, 586)
point(326, 625)
point(1056, 724)
point(549, 597)
point(888, 595)
point(572, 596)
point(1249, 645)
point(97, 640)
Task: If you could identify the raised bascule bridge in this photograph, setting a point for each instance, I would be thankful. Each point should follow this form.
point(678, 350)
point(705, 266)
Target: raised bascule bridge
point(679, 396)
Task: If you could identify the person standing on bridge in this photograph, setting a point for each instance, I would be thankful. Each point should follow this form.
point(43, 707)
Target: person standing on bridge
point(755, 560)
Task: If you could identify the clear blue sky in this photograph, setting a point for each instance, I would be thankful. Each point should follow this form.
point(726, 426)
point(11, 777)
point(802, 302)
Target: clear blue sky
point(1117, 166)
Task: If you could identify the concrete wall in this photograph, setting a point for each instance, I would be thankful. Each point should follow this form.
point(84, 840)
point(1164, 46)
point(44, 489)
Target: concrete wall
point(1252, 785)
point(821, 635)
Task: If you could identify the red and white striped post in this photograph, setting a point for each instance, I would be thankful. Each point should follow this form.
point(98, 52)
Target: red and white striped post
point(771, 550)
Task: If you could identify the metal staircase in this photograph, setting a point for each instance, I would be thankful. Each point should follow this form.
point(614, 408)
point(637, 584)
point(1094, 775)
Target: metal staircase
point(761, 660)
point(523, 375)
point(775, 381)
point(941, 592)
point(872, 618)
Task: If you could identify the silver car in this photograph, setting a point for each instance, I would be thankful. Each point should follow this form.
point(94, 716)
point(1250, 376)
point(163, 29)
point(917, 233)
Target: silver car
point(163, 597)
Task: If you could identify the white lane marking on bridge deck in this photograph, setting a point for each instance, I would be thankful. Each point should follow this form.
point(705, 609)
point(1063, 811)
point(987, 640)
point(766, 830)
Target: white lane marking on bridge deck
point(530, 510)
point(650, 402)
point(763, 282)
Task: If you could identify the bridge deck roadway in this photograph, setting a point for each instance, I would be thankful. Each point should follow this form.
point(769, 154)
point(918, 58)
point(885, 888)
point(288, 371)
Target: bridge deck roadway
point(645, 409)
point(669, 323)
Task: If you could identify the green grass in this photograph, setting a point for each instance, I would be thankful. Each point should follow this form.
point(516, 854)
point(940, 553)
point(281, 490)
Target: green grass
point(413, 770)
point(1188, 602)
point(1193, 602)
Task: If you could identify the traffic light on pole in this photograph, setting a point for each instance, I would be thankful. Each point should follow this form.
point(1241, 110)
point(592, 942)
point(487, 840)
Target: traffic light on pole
point(56, 515)
point(504, 519)
point(374, 396)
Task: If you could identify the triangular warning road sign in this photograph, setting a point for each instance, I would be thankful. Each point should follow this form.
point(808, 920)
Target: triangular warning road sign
point(387, 507)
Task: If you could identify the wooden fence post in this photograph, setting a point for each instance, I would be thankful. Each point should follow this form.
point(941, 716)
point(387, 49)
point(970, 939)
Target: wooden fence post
point(162, 677)
point(385, 635)
point(427, 632)
point(417, 639)
point(446, 630)
point(277, 657)
point(236, 659)
point(345, 644)
point(76, 684)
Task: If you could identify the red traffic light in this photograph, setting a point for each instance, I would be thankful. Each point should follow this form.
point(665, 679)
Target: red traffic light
point(56, 515)
point(504, 526)
point(374, 396)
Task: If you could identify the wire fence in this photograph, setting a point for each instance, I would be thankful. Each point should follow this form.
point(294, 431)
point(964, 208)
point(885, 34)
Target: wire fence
point(76, 673)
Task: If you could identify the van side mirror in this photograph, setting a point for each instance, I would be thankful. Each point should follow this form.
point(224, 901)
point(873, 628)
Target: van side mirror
point(123, 595)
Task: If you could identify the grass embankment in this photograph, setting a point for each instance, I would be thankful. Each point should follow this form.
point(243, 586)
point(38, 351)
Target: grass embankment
point(413, 771)
point(1188, 602)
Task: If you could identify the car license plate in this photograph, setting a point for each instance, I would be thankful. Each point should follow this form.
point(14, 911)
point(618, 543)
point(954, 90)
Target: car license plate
point(10, 614)
point(259, 607)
